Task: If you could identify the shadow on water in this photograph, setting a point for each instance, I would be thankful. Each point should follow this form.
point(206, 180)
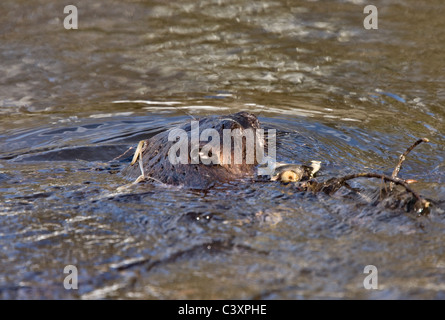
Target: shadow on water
point(333, 92)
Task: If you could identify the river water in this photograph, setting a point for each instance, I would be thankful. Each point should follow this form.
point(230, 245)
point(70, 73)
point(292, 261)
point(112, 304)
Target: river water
point(71, 101)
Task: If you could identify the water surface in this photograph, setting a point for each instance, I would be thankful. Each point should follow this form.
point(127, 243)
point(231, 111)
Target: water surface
point(71, 101)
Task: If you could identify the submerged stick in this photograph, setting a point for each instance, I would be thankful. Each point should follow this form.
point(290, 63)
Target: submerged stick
point(422, 202)
point(402, 158)
point(123, 154)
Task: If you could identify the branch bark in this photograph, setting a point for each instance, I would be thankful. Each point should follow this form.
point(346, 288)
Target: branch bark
point(402, 158)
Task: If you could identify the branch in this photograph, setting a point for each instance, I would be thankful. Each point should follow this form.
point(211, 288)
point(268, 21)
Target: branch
point(402, 159)
point(341, 181)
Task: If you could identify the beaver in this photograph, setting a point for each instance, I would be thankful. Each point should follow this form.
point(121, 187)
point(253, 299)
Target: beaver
point(156, 163)
point(157, 157)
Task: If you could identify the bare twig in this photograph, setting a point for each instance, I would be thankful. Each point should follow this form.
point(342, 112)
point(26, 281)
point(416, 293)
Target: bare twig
point(123, 154)
point(138, 152)
point(402, 158)
point(339, 182)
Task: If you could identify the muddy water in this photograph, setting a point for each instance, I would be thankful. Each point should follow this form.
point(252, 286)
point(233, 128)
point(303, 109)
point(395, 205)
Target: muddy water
point(73, 100)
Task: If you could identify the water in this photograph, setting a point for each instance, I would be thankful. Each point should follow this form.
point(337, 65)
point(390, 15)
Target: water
point(73, 100)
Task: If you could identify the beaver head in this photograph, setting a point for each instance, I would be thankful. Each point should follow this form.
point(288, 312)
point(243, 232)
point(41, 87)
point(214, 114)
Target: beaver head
point(203, 152)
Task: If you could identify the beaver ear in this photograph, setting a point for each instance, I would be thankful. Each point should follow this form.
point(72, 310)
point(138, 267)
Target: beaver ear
point(246, 119)
point(230, 123)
